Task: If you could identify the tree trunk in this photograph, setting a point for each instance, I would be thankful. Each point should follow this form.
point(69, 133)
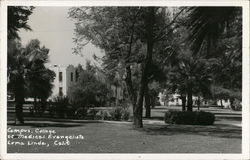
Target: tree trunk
point(19, 100)
point(198, 103)
point(183, 102)
point(43, 106)
point(131, 91)
point(152, 100)
point(232, 103)
point(149, 21)
point(148, 102)
point(35, 104)
point(190, 101)
point(19, 112)
point(221, 103)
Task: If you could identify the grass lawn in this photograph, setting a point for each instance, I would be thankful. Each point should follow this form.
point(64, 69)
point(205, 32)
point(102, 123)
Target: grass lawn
point(102, 137)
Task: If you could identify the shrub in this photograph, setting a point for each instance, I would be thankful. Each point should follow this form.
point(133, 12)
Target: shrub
point(192, 118)
point(119, 113)
point(116, 114)
point(125, 114)
point(205, 118)
point(80, 113)
point(60, 107)
point(237, 105)
point(92, 113)
point(103, 115)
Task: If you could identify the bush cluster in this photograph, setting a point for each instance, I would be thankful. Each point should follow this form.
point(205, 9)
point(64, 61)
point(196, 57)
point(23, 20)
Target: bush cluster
point(61, 108)
point(116, 114)
point(191, 118)
point(119, 113)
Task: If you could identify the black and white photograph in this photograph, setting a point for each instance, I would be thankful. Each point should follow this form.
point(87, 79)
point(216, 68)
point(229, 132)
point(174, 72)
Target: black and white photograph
point(125, 78)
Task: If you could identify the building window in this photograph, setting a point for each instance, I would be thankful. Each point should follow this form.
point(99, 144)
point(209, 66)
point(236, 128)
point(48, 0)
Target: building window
point(60, 91)
point(77, 75)
point(71, 76)
point(60, 76)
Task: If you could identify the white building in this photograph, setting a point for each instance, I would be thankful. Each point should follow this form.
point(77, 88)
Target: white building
point(175, 100)
point(65, 77)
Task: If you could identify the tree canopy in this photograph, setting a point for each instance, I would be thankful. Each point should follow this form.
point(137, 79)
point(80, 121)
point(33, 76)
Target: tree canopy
point(17, 19)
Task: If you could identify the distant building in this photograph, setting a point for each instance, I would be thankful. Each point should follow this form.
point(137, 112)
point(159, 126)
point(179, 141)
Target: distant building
point(175, 100)
point(65, 77)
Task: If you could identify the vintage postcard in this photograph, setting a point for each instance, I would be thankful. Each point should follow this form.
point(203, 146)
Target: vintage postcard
point(124, 79)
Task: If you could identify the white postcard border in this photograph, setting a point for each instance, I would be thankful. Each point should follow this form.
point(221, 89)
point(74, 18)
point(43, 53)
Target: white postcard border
point(245, 82)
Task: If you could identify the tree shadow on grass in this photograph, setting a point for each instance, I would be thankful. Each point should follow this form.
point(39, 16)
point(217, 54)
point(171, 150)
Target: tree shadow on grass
point(218, 130)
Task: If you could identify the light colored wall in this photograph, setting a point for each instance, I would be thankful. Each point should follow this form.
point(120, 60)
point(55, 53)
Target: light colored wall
point(70, 69)
point(56, 83)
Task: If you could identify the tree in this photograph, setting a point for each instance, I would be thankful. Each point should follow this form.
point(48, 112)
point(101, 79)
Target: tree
point(16, 72)
point(151, 96)
point(228, 78)
point(217, 32)
point(39, 77)
point(207, 24)
point(17, 59)
point(214, 33)
point(27, 74)
point(88, 90)
point(17, 19)
point(192, 76)
point(127, 35)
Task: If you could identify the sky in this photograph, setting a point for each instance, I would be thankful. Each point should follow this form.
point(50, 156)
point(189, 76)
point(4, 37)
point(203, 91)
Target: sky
point(52, 27)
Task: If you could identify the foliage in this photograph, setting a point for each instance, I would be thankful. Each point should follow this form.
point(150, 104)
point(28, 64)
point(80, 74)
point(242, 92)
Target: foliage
point(103, 115)
point(116, 114)
point(28, 76)
point(236, 105)
point(61, 106)
point(80, 113)
point(207, 24)
point(91, 113)
point(216, 32)
point(119, 113)
point(228, 70)
point(125, 115)
point(127, 35)
point(88, 91)
point(17, 19)
point(17, 59)
point(191, 118)
point(39, 77)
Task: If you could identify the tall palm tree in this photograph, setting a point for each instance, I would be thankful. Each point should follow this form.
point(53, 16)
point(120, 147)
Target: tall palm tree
point(207, 24)
point(17, 19)
point(191, 76)
point(27, 74)
point(17, 69)
point(217, 31)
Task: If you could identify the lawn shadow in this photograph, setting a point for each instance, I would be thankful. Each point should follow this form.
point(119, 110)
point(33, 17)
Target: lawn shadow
point(217, 130)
